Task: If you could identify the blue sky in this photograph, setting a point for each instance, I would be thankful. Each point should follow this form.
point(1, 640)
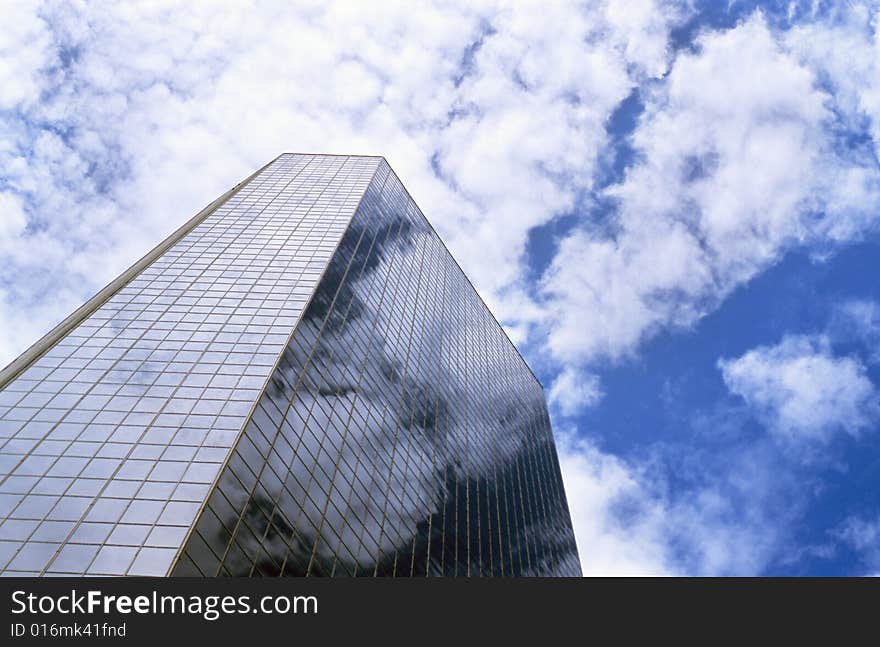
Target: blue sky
point(672, 403)
point(672, 205)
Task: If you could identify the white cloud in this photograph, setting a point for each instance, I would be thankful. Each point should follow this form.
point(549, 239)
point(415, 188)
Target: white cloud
point(128, 118)
point(628, 521)
point(595, 483)
point(13, 221)
point(862, 534)
point(737, 162)
point(148, 112)
point(859, 319)
point(801, 391)
point(847, 55)
point(643, 30)
point(24, 49)
point(573, 391)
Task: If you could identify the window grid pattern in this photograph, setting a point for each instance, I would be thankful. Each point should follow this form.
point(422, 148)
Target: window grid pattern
point(111, 440)
point(401, 433)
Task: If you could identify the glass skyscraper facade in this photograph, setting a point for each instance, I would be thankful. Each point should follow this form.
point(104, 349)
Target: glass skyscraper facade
point(300, 381)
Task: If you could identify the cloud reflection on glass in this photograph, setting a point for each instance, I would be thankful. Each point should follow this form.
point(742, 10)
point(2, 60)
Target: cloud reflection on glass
point(401, 434)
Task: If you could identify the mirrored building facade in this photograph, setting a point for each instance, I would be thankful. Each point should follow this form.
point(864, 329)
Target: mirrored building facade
point(300, 381)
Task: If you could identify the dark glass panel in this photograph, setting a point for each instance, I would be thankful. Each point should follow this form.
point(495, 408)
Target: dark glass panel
point(401, 433)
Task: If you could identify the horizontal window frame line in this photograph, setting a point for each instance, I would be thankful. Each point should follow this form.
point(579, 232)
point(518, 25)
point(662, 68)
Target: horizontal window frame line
point(47, 341)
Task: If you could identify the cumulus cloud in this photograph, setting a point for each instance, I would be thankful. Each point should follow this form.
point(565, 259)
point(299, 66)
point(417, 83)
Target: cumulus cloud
point(801, 391)
point(572, 391)
point(494, 114)
point(24, 49)
point(731, 518)
point(596, 484)
point(846, 55)
point(737, 162)
point(119, 122)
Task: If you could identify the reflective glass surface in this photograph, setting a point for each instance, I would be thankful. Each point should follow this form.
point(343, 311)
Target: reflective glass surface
point(303, 384)
point(400, 434)
point(111, 441)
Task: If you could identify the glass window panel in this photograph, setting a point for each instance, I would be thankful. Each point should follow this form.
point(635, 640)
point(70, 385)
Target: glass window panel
point(398, 430)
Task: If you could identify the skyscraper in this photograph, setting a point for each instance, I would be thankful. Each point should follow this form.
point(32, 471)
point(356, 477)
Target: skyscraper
point(299, 381)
